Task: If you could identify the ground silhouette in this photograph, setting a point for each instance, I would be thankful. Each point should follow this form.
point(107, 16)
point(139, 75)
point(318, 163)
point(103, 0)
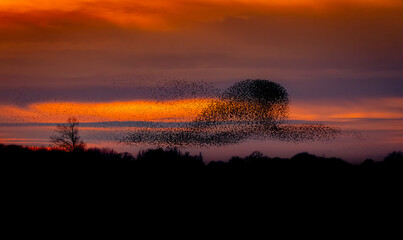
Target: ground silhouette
point(167, 185)
point(100, 167)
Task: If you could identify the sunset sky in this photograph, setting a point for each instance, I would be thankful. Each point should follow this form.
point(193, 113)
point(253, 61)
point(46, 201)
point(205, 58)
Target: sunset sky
point(101, 60)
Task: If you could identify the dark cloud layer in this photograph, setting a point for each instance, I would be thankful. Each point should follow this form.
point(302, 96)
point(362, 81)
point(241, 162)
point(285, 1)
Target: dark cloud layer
point(78, 48)
point(340, 51)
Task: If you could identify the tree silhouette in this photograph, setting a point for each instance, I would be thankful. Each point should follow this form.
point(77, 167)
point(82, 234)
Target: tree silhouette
point(66, 136)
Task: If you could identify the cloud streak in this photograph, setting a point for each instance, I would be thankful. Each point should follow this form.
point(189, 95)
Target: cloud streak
point(188, 109)
point(168, 15)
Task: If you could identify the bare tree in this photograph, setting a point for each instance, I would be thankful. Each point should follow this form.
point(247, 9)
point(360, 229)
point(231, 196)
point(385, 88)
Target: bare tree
point(66, 136)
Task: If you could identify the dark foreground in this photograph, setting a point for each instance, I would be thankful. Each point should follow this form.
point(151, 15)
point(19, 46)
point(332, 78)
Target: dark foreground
point(100, 168)
point(163, 185)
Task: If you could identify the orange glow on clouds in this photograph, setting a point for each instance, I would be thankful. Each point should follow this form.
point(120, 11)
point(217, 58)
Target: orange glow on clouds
point(385, 108)
point(187, 110)
point(165, 15)
point(171, 111)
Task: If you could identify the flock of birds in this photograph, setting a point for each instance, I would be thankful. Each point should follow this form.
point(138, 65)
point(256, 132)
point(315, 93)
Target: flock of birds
point(250, 109)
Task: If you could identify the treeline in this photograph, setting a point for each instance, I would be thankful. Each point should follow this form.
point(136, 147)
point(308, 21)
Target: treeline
point(169, 179)
point(172, 164)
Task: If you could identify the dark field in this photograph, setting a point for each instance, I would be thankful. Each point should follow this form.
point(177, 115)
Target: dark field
point(170, 168)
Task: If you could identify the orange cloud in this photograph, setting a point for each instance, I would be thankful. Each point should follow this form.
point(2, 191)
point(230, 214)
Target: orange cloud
point(384, 108)
point(171, 111)
point(187, 110)
point(166, 15)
